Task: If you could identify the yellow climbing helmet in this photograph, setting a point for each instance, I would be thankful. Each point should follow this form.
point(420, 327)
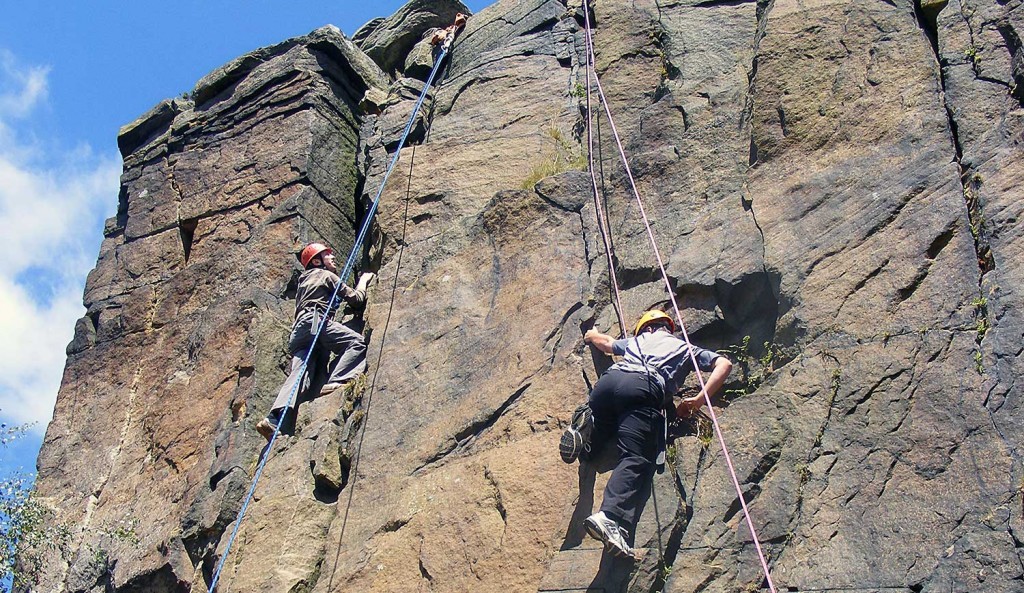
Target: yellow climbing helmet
point(654, 316)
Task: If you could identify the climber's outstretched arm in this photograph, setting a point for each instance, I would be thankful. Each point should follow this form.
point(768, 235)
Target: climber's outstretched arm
point(602, 342)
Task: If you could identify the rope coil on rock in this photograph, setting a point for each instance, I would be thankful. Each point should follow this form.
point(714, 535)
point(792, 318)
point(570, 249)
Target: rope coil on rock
point(349, 263)
point(672, 299)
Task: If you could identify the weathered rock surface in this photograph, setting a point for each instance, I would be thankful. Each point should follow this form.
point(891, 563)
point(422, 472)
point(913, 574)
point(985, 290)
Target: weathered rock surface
point(836, 190)
point(187, 312)
point(388, 41)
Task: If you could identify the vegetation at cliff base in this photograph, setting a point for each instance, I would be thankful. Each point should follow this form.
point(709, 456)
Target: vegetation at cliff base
point(24, 532)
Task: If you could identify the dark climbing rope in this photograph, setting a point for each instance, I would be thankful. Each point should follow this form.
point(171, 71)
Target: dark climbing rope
point(349, 263)
point(353, 471)
point(602, 221)
point(657, 524)
point(605, 231)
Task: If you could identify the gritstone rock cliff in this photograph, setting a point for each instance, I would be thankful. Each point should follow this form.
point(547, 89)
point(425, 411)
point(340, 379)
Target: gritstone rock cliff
point(836, 188)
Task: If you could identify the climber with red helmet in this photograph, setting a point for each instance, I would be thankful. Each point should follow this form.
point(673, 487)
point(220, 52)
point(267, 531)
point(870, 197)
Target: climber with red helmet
point(312, 297)
point(627, 401)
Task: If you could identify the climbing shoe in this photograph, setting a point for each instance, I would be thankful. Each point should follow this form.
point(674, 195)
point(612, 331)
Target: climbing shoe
point(268, 425)
point(266, 428)
point(576, 437)
point(601, 527)
point(329, 387)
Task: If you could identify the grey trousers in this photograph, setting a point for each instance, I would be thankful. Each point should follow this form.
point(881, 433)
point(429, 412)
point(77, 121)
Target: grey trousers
point(335, 338)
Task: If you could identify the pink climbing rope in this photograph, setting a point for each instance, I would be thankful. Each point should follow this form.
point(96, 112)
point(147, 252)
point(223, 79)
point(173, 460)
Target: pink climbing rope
point(672, 298)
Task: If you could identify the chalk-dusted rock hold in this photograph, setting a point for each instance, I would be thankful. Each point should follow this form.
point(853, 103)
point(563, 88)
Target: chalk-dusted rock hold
point(389, 41)
point(835, 188)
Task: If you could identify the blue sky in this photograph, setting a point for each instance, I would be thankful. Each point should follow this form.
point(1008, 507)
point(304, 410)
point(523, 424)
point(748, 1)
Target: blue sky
point(71, 74)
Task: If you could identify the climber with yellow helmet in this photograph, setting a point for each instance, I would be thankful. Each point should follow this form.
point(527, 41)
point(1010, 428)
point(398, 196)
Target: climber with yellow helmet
point(627, 402)
point(312, 297)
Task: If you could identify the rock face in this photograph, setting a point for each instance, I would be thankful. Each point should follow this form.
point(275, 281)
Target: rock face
point(389, 40)
point(835, 188)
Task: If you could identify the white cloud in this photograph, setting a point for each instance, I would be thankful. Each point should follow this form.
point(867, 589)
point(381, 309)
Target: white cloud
point(43, 208)
point(52, 204)
point(29, 84)
point(33, 350)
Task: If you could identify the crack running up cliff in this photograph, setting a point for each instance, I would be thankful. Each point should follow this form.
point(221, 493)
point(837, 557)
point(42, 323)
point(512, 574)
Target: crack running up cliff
point(970, 179)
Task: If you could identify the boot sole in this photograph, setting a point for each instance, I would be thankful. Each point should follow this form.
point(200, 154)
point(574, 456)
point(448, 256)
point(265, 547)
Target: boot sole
point(570, 445)
point(597, 533)
point(336, 386)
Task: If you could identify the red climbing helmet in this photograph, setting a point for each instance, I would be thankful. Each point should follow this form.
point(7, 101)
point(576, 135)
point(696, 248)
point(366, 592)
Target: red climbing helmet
point(312, 250)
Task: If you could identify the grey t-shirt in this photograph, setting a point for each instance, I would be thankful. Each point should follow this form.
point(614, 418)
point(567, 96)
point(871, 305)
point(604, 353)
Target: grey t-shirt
point(664, 354)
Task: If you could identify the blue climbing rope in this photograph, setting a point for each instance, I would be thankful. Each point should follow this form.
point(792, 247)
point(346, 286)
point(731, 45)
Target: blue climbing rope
point(349, 263)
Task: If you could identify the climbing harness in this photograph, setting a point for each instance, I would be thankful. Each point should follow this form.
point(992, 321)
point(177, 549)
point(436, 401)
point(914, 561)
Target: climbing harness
point(346, 270)
point(675, 307)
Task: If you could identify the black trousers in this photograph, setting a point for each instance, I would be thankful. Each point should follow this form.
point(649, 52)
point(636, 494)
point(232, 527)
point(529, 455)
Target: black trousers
point(628, 406)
